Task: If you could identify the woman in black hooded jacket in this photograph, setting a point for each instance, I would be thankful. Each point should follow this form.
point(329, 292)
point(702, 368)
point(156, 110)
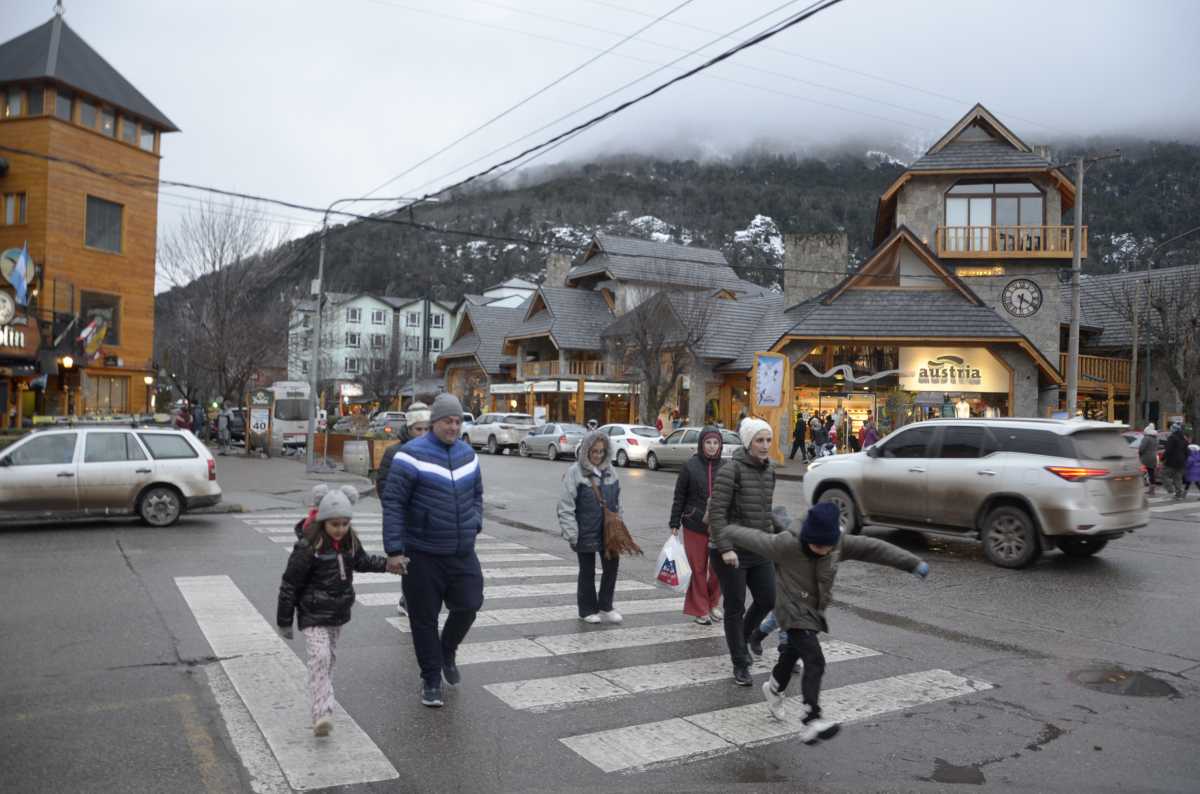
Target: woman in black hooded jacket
point(690, 510)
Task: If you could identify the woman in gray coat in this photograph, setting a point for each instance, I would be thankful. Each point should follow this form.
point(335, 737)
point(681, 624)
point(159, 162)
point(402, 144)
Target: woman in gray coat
point(591, 479)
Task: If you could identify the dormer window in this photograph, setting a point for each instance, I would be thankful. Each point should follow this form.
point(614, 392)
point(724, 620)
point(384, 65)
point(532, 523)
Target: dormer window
point(999, 216)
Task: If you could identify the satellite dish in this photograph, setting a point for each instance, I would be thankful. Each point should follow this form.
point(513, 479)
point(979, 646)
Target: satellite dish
point(8, 261)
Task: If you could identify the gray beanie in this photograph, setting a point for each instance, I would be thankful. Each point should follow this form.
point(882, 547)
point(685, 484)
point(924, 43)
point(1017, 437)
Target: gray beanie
point(318, 493)
point(445, 405)
point(338, 503)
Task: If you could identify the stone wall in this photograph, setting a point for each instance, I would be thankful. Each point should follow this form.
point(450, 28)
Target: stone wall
point(813, 263)
point(557, 266)
point(1042, 328)
point(1025, 381)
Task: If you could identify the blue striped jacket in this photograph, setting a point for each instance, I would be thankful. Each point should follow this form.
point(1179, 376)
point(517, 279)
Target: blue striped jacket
point(433, 499)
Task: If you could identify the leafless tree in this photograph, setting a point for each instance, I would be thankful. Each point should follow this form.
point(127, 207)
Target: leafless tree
point(383, 376)
point(1166, 308)
point(231, 262)
point(657, 341)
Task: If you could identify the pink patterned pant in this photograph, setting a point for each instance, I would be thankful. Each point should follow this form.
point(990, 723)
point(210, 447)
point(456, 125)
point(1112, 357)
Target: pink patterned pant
point(321, 642)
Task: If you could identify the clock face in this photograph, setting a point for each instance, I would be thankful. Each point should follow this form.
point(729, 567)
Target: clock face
point(8, 309)
point(1021, 298)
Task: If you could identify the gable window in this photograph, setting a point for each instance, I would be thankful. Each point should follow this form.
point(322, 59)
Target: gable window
point(103, 225)
point(106, 309)
point(129, 130)
point(12, 103)
point(378, 317)
point(87, 114)
point(437, 321)
point(994, 216)
point(62, 104)
point(13, 208)
point(377, 341)
point(353, 339)
point(354, 315)
point(146, 141)
point(413, 320)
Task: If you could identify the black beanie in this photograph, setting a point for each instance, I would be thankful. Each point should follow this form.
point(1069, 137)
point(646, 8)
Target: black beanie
point(820, 526)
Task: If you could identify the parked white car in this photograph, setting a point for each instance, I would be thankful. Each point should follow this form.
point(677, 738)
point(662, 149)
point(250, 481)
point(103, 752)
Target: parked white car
point(79, 471)
point(630, 443)
point(496, 432)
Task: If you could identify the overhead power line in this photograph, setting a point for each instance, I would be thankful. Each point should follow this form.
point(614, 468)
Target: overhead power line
point(139, 181)
point(558, 80)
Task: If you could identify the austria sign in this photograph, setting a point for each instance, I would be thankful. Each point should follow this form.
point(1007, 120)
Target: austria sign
point(952, 369)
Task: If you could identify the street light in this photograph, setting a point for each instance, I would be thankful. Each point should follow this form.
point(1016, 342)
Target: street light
point(314, 365)
point(67, 362)
point(149, 381)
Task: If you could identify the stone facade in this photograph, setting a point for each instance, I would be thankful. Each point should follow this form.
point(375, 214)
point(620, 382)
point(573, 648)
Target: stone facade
point(557, 266)
point(1026, 396)
point(813, 263)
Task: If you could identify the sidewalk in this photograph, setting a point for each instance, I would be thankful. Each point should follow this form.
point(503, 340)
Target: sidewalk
point(791, 469)
point(252, 483)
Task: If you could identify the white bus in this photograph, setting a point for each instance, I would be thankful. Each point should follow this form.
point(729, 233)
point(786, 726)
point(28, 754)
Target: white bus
point(289, 417)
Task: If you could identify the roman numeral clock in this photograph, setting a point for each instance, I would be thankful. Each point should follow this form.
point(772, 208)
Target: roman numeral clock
point(1022, 297)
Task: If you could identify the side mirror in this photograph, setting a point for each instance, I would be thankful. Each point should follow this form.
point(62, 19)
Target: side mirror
point(873, 451)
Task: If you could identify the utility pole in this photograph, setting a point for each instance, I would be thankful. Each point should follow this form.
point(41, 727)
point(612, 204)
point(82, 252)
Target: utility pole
point(314, 359)
point(1076, 271)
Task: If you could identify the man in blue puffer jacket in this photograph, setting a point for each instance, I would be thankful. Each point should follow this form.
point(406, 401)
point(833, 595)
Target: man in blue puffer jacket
point(432, 511)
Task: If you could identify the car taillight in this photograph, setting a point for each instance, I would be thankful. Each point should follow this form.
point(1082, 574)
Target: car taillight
point(1076, 473)
point(212, 469)
point(633, 442)
point(562, 440)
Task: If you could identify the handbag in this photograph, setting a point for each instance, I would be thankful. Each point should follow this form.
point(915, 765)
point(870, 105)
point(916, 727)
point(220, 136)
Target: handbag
point(617, 540)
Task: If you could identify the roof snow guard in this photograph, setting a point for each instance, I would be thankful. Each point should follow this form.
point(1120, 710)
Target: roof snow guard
point(54, 51)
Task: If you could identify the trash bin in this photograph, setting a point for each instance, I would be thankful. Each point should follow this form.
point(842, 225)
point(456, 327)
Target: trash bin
point(356, 457)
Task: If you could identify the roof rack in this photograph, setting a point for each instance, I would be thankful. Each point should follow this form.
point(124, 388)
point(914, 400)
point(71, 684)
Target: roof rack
point(62, 423)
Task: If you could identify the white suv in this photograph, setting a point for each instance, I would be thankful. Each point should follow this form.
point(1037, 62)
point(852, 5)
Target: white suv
point(495, 432)
point(155, 472)
point(1021, 486)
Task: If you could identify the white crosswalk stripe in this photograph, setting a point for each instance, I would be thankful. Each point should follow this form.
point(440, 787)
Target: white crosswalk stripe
point(546, 694)
point(516, 617)
point(546, 571)
point(507, 591)
point(712, 733)
point(599, 639)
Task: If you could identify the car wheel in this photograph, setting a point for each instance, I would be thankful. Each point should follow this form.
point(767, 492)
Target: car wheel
point(847, 510)
point(1081, 547)
point(622, 458)
point(492, 447)
point(160, 506)
point(1010, 540)
point(524, 450)
point(552, 452)
point(652, 462)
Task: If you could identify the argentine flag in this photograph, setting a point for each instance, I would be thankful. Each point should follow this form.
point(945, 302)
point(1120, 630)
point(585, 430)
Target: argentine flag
point(19, 275)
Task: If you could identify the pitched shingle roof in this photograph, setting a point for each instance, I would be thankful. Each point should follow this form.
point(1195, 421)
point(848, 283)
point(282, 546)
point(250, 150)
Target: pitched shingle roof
point(900, 313)
point(627, 259)
point(574, 318)
point(54, 51)
point(486, 342)
point(979, 154)
point(1106, 300)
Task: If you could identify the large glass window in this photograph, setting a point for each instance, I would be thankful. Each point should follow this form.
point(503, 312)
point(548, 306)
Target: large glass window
point(87, 114)
point(103, 225)
point(107, 395)
point(35, 95)
point(128, 130)
point(54, 450)
point(62, 104)
point(13, 208)
point(973, 208)
point(107, 309)
point(146, 141)
point(108, 123)
point(12, 103)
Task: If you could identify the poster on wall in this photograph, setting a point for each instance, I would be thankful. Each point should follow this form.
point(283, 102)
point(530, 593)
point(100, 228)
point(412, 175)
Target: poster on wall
point(952, 369)
point(768, 380)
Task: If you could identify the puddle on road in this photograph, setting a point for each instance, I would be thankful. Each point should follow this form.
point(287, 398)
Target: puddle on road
point(946, 772)
point(1131, 683)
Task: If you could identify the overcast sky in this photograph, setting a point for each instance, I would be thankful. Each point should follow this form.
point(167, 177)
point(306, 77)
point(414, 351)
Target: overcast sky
point(316, 100)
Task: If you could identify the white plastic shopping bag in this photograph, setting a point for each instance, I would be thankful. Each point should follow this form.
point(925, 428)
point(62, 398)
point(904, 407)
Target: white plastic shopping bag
point(674, 573)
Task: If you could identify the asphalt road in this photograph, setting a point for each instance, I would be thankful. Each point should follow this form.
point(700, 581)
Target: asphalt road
point(143, 660)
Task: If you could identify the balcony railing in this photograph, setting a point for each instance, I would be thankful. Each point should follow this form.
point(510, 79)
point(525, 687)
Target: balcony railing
point(1009, 242)
point(1097, 372)
point(574, 369)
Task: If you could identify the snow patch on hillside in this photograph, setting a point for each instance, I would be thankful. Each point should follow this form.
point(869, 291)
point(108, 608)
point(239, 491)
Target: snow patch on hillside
point(763, 235)
point(883, 158)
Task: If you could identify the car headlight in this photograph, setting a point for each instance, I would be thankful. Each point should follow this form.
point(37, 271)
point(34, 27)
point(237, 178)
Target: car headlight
point(816, 463)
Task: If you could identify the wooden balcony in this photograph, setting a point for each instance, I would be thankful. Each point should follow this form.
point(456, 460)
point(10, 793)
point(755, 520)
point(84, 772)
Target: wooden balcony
point(1097, 372)
point(589, 370)
point(1008, 242)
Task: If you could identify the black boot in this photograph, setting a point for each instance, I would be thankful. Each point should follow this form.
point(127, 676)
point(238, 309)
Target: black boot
point(754, 641)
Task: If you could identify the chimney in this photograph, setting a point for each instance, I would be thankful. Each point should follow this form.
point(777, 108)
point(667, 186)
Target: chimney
point(557, 266)
point(813, 263)
point(1042, 150)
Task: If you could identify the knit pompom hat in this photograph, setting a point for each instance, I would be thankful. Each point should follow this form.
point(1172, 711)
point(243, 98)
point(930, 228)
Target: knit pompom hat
point(318, 493)
point(338, 503)
point(750, 428)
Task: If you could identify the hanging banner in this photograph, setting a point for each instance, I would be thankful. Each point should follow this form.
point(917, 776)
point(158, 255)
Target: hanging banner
point(770, 380)
point(952, 369)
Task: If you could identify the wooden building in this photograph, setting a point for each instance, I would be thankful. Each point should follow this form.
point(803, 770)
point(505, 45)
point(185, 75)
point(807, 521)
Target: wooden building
point(79, 168)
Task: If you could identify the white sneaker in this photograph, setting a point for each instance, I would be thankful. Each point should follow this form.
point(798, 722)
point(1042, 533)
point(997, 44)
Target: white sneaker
point(703, 620)
point(592, 618)
point(611, 617)
point(323, 727)
point(716, 613)
point(774, 698)
point(817, 729)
